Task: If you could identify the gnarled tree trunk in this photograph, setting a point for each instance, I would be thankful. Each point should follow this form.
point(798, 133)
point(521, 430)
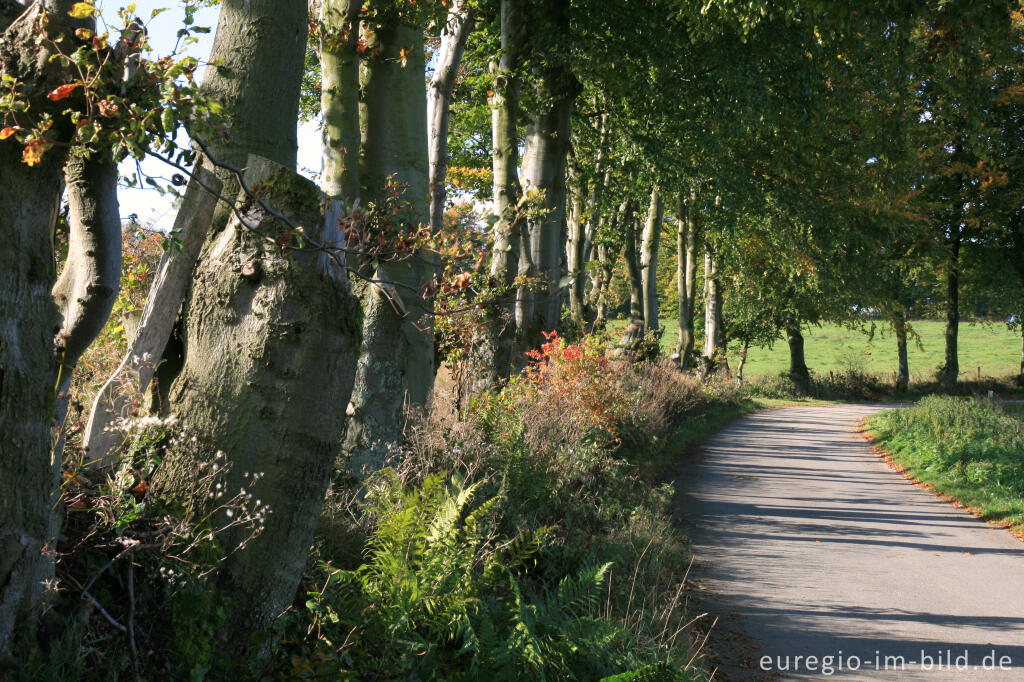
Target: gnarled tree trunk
point(270, 349)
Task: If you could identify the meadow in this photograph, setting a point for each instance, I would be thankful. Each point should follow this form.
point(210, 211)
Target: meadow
point(831, 347)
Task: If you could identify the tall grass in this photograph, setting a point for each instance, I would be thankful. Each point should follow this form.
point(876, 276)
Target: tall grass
point(971, 450)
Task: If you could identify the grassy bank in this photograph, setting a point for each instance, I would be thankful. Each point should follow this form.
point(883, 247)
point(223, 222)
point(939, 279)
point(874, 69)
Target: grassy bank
point(833, 348)
point(969, 450)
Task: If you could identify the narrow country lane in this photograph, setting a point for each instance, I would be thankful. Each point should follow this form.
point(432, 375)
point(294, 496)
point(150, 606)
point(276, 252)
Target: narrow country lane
point(808, 545)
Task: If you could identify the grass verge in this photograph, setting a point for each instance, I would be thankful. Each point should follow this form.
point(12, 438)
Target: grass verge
point(970, 451)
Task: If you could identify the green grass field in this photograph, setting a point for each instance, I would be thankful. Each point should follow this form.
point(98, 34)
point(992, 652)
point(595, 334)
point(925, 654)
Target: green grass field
point(832, 347)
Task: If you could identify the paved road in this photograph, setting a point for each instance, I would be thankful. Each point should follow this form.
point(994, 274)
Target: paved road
point(807, 544)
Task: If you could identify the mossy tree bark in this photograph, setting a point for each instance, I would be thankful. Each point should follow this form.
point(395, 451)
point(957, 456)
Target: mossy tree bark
point(270, 349)
point(396, 363)
point(576, 247)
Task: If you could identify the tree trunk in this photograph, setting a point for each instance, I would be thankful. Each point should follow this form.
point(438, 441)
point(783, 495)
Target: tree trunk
point(634, 330)
point(686, 279)
point(1022, 353)
point(544, 167)
point(576, 251)
point(339, 102)
point(88, 284)
point(396, 360)
point(270, 351)
point(103, 435)
point(711, 300)
point(498, 334)
point(457, 28)
point(260, 48)
point(950, 372)
point(899, 325)
point(798, 371)
point(29, 198)
point(743, 360)
point(649, 261)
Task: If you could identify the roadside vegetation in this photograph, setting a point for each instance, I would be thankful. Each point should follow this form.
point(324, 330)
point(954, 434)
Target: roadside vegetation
point(970, 450)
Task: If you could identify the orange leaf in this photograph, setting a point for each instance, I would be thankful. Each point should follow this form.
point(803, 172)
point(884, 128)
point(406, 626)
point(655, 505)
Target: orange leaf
point(63, 92)
point(7, 132)
point(33, 153)
point(139, 490)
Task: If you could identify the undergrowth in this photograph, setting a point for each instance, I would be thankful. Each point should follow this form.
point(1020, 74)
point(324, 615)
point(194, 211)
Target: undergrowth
point(971, 450)
point(527, 536)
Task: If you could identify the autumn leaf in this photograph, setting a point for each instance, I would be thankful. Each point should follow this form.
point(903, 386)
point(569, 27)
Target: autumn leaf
point(63, 92)
point(33, 153)
point(82, 10)
point(83, 33)
point(403, 55)
point(108, 109)
point(7, 132)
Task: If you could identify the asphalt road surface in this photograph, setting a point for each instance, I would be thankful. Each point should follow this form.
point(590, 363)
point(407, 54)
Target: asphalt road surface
point(808, 545)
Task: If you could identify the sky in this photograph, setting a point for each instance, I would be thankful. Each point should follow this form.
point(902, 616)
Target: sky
point(147, 204)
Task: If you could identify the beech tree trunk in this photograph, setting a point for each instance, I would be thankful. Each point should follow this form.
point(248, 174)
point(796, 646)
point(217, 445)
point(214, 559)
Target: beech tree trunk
point(260, 46)
point(950, 372)
point(798, 371)
point(649, 260)
point(496, 346)
point(270, 351)
point(544, 167)
point(29, 198)
point(686, 279)
point(396, 361)
point(88, 284)
point(711, 302)
point(576, 251)
point(634, 330)
point(114, 402)
point(457, 28)
point(339, 102)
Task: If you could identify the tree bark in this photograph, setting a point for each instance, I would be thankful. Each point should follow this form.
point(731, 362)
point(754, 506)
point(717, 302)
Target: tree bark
point(634, 330)
point(496, 347)
point(29, 198)
point(711, 301)
point(899, 325)
point(544, 168)
point(270, 351)
point(128, 384)
point(396, 361)
point(260, 51)
point(88, 284)
point(798, 371)
point(686, 279)
point(339, 102)
point(457, 28)
point(576, 250)
point(743, 360)
point(950, 372)
point(649, 260)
